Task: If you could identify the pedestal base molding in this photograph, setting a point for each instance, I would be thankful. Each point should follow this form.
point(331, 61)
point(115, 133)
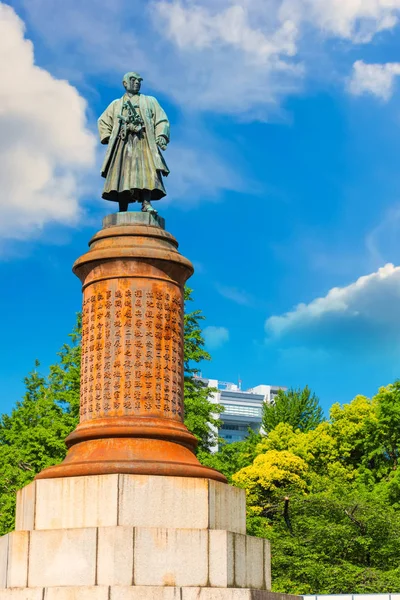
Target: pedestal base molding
point(137, 446)
point(139, 593)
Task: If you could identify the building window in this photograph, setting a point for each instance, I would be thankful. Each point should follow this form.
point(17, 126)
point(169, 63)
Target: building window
point(234, 409)
point(231, 427)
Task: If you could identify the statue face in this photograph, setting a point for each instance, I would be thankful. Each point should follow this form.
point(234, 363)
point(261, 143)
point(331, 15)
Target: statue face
point(133, 84)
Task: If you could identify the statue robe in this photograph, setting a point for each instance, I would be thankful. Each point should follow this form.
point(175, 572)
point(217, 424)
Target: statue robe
point(135, 163)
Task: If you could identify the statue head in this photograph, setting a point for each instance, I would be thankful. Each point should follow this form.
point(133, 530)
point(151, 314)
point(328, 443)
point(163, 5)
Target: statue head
point(132, 82)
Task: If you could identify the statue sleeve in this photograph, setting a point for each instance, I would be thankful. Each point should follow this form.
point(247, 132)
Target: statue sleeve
point(105, 124)
point(161, 123)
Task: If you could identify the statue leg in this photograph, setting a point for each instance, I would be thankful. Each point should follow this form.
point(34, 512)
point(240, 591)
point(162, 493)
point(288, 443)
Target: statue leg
point(146, 204)
point(123, 205)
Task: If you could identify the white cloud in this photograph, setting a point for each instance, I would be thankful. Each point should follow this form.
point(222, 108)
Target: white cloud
point(206, 56)
point(236, 58)
point(257, 46)
point(382, 242)
point(356, 20)
point(247, 23)
point(241, 57)
point(195, 26)
point(361, 313)
point(199, 174)
point(215, 337)
point(234, 294)
point(375, 79)
point(44, 143)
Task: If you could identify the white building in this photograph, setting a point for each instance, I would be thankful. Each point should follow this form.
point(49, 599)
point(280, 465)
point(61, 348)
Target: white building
point(243, 408)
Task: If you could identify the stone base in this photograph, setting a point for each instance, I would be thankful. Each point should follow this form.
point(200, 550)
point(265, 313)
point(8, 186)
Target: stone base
point(134, 500)
point(133, 218)
point(133, 537)
point(133, 556)
point(139, 593)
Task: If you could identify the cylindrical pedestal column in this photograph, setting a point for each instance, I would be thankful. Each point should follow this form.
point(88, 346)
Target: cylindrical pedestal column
point(132, 368)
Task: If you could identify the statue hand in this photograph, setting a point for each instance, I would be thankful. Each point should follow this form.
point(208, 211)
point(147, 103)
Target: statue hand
point(161, 142)
point(135, 127)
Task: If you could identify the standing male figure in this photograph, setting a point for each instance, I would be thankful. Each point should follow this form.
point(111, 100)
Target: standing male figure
point(135, 127)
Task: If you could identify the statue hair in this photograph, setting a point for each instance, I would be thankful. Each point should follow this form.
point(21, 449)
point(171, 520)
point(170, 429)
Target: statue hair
point(128, 75)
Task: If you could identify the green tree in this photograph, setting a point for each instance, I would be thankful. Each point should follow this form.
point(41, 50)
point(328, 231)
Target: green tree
point(299, 408)
point(200, 414)
point(232, 457)
point(332, 515)
point(32, 436)
point(329, 534)
point(353, 426)
point(386, 447)
point(318, 447)
point(271, 474)
point(341, 540)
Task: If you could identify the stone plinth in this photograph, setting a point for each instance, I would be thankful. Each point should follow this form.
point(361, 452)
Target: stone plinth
point(135, 500)
point(135, 556)
point(131, 406)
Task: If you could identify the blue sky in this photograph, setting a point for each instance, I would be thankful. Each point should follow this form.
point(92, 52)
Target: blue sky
point(284, 188)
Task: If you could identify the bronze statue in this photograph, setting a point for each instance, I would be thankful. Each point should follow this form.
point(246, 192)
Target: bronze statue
point(135, 127)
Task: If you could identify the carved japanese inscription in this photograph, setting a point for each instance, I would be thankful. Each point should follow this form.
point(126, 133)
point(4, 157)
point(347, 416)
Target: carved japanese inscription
point(132, 350)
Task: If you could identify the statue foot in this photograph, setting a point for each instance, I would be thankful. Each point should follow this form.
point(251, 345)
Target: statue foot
point(147, 207)
point(123, 206)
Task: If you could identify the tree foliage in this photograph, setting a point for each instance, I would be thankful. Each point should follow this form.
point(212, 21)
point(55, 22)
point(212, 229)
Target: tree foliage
point(328, 499)
point(32, 436)
point(270, 473)
point(299, 408)
point(232, 457)
point(326, 493)
point(200, 413)
point(343, 539)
